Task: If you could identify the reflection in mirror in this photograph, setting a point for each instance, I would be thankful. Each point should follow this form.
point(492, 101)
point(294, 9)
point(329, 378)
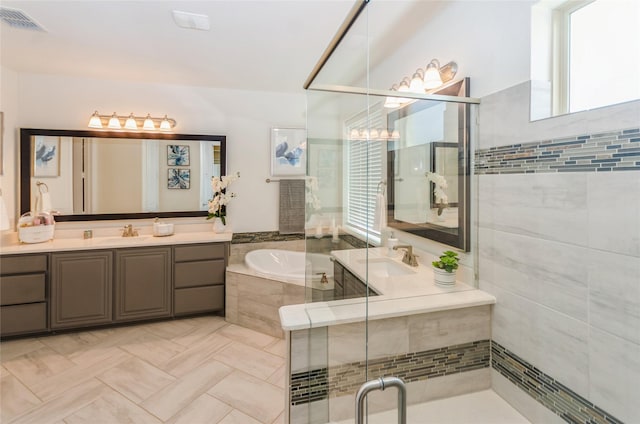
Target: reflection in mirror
point(428, 170)
point(96, 175)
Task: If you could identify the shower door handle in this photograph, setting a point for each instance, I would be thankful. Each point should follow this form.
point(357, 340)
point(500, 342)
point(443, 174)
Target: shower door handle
point(381, 384)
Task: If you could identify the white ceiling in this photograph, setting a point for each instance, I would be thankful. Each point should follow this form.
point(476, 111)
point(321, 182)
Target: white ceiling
point(255, 45)
point(269, 45)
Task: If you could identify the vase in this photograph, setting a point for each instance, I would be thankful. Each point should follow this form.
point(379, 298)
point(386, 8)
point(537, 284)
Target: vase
point(218, 226)
point(444, 278)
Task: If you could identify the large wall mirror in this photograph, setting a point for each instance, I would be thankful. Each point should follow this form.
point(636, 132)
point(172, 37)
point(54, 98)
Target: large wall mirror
point(97, 175)
point(428, 172)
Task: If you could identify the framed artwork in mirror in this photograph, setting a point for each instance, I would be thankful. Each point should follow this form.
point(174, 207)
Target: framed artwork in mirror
point(288, 152)
point(177, 155)
point(46, 157)
point(179, 178)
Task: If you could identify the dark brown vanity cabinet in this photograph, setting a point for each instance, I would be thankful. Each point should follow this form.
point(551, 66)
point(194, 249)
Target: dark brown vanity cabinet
point(142, 283)
point(23, 294)
point(81, 288)
point(199, 276)
point(347, 285)
point(76, 289)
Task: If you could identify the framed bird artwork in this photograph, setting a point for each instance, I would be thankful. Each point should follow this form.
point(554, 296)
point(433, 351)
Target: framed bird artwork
point(46, 156)
point(288, 151)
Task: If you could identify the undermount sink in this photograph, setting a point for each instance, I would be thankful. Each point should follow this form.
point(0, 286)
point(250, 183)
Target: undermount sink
point(383, 267)
point(119, 240)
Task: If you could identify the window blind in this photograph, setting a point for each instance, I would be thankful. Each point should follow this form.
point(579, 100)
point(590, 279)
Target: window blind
point(364, 172)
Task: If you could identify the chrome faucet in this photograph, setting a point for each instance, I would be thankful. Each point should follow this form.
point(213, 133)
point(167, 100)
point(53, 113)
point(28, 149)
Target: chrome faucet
point(409, 258)
point(129, 231)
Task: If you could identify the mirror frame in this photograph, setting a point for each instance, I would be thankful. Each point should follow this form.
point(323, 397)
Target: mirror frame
point(462, 239)
point(25, 168)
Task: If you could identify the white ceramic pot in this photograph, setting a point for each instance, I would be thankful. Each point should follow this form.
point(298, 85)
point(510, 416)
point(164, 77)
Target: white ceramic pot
point(218, 226)
point(444, 278)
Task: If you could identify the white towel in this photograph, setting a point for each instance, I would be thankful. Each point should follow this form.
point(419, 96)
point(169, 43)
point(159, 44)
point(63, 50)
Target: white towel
point(43, 202)
point(4, 216)
point(380, 214)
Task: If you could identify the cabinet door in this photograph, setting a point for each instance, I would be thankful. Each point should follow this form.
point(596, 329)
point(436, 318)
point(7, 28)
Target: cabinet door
point(143, 283)
point(81, 288)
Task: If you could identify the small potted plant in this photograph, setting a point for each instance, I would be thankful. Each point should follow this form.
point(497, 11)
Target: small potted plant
point(444, 270)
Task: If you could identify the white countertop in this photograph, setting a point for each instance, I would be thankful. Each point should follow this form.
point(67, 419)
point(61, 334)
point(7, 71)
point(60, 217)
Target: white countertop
point(412, 293)
point(11, 245)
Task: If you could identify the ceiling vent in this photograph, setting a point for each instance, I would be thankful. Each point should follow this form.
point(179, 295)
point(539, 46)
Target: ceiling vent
point(191, 20)
point(18, 19)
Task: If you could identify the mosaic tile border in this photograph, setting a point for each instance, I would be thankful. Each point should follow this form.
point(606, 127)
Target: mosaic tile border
point(602, 152)
point(271, 236)
point(264, 236)
point(561, 400)
point(323, 383)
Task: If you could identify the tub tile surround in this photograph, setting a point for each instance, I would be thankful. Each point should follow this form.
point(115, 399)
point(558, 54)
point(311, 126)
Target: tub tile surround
point(561, 251)
point(253, 301)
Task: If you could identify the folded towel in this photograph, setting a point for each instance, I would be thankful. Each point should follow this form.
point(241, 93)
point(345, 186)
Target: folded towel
point(292, 209)
point(380, 214)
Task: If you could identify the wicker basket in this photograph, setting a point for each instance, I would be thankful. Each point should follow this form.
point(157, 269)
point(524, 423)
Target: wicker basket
point(36, 234)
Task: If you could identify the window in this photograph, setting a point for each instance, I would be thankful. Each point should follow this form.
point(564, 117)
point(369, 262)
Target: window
point(364, 173)
point(596, 54)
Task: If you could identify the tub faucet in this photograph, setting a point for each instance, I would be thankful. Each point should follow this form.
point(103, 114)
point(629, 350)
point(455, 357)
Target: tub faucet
point(409, 258)
point(129, 231)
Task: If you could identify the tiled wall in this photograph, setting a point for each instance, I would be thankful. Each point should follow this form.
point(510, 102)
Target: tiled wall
point(437, 354)
point(549, 392)
point(561, 250)
point(610, 151)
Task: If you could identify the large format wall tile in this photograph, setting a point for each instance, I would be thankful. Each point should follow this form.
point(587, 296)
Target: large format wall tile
point(546, 272)
point(614, 294)
point(549, 206)
point(614, 372)
point(553, 342)
point(614, 212)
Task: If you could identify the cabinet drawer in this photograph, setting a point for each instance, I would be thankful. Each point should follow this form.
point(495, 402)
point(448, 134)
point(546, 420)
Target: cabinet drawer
point(200, 252)
point(201, 273)
point(199, 299)
point(27, 288)
point(23, 318)
point(23, 264)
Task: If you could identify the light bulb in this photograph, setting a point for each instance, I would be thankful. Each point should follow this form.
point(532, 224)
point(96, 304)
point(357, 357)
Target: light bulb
point(114, 122)
point(165, 125)
point(148, 124)
point(392, 102)
point(417, 85)
point(432, 78)
point(131, 123)
point(95, 121)
point(354, 134)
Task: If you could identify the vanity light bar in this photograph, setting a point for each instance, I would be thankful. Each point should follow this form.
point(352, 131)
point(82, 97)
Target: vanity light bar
point(131, 122)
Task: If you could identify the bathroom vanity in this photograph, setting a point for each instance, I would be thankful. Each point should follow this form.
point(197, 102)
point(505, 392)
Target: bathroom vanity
point(70, 283)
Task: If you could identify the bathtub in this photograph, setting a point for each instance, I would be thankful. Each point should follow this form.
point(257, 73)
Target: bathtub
point(289, 266)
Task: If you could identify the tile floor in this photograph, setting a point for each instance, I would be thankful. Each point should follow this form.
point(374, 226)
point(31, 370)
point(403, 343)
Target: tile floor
point(196, 370)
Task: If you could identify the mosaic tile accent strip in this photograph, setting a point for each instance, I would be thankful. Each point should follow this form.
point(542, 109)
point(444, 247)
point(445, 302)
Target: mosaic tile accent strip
point(264, 236)
point(414, 366)
point(570, 406)
point(603, 152)
point(270, 236)
point(309, 386)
